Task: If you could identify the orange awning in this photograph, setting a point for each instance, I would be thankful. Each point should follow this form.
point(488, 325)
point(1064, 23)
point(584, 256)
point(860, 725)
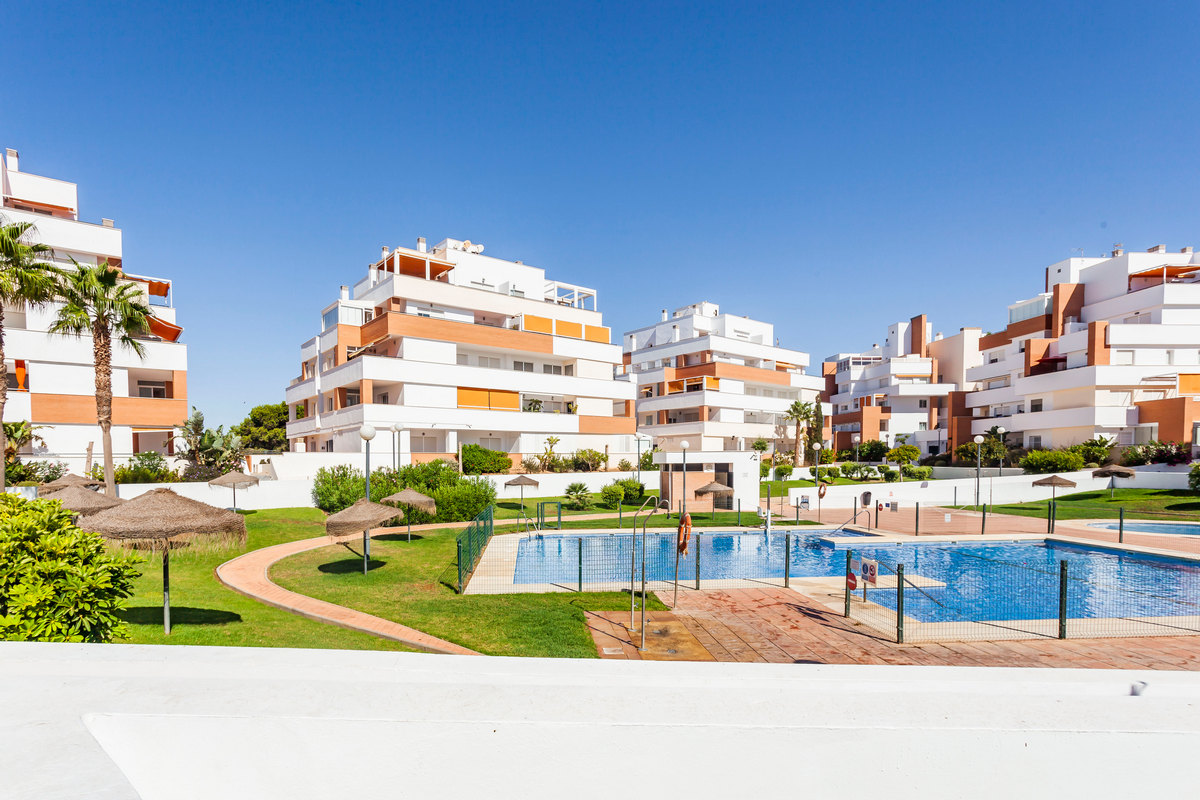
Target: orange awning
point(164, 330)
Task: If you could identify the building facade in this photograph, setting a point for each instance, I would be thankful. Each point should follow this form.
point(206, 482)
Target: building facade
point(903, 387)
point(1110, 348)
point(716, 380)
point(51, 379)
point(461, 348)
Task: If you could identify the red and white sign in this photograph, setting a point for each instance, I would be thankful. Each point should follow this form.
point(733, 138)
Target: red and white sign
point(870, 571)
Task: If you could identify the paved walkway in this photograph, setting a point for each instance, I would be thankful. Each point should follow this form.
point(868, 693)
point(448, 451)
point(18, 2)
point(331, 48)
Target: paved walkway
point(784, 626)
point(247, 574)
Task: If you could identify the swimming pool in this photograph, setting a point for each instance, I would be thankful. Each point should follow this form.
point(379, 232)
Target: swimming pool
point(1138, 526)
point(963, 581)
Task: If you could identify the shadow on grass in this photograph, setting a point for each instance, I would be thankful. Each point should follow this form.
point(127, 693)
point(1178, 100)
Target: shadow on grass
point(396, 537)
point(348, 566)
point(180, 615)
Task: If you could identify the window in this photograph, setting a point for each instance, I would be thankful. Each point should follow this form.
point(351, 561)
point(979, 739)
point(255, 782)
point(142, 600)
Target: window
point(1123, 357)
point(382, 398)
point(1035, 405)
point(649, 420)
point(151, 389)
point(329, 319)
point(1033, 443)
point(922, 426)
point(489, 362)
point(523, 366)
point(352, 397)
point(492, 443)
point(463, 359)
point(922, 404)
point(552, 369)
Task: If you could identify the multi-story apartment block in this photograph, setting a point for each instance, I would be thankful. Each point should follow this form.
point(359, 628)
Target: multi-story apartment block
point(1110, 348)
point(51, 379)
point(902, 387)
point(717, 381)
point(461, 348)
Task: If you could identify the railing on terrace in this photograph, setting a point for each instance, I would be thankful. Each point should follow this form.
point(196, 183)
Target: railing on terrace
point(471, 544)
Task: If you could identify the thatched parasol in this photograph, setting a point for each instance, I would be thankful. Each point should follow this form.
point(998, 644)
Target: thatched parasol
point(69, 479)
point(1112, 472)
point(233, 480)
point(522, 481)
point(713, 488)
point(1055, 482)
point(413, 498)
point(83, 501)
point(362, 516)
point(160, 515)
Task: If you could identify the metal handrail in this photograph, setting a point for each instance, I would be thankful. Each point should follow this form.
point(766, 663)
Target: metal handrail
point(854, 519)
point(633, 554)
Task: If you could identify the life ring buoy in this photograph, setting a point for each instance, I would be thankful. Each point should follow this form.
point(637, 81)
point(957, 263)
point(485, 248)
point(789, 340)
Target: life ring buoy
point(685, 533)
point(821, 489)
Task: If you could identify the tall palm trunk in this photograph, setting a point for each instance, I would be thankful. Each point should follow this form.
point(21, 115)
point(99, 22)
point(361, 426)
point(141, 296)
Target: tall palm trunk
point(3, 400)
point(102, 350)
point(797, 455)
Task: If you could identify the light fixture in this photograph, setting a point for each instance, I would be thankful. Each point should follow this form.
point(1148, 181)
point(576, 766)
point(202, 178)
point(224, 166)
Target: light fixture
point(367, 432)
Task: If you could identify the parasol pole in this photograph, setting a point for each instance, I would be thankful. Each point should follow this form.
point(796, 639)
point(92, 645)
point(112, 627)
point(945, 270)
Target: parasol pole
point(167, 587)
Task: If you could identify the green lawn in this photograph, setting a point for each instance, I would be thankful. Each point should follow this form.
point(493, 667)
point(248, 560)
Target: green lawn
point(1165, 504)
point(412, 583)
point(205, 612)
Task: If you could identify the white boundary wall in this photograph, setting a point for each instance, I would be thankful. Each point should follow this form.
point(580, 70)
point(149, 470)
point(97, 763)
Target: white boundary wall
point(554, 484)
point(1009, 489)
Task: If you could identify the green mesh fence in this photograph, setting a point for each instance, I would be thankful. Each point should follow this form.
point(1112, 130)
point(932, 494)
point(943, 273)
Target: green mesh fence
point(471, 542)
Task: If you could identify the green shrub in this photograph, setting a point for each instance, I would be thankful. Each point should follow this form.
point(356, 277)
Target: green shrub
point(916, 473)
point(479, 460)
point(890, 475)
point(195, 473)
point(1095, 451)
point(635, 490)
point(1194, 477)
point(589, 460)
point(337, 487)
point(990, 453)
point(37, 471)
point(783, 472)
point(1040, 461)
point(57, 582)
point(625, 465)
point(530, 464)
point(764, 469)
point(824, 473)
point(904, 453)
point(578, 496)
point(646, 460)
point(149, 467)
point(612, 495)
point(457, 503)
point(1156, 453)
point(872, 450)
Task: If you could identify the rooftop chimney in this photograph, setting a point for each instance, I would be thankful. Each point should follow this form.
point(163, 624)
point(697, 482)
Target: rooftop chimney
point(420, 244)
point(13, 162)
point(1187, 249)
point(345, 292)
point(1118, 252)
point(664, 315)
point(106, 222)
point(1158, 248)
point(383, 251)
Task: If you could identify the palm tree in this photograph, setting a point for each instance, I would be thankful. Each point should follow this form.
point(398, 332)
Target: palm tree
point(17, 435)
point(23, 281)
point(799, 413)
point(97, 302)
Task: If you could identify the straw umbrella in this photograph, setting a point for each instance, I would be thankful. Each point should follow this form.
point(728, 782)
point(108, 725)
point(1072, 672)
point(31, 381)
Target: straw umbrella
point(1112, 472)
point(362, 516)
point(83, 501)
point(411, 497)
point(714, 488)
point(233, 480)
point(69, 479)
point(1055, 482)
point(522, 481)
point(160, 515)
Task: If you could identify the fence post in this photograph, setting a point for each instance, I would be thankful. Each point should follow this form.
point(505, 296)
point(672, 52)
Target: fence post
point(877, 504)
point(1062, 599)
point(697, 562)
point(580, 540)
point(917, 520)
point(1049, 511)
point(1053, 515)
point(797, 512)
point(854, 519)
point(899, 604)
point(739, 522)
point(849, 555)
point(460, 570)
point(620, 518)
point(955, 497)
point(1121, 528)
point(787, 561)
point(983, 521)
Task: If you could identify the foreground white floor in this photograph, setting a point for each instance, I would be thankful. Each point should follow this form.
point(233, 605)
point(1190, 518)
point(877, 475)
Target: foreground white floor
point(108, 721)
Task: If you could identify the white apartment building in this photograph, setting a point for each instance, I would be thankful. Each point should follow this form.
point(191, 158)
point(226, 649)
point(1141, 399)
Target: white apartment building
point(461, 348)
point(51, 379)
point(902, 387)
point(1110, 348)
point(718, 381)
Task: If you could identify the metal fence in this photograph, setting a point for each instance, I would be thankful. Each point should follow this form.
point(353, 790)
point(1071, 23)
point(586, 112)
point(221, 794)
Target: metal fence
point(472, 543)
point(1019, 590)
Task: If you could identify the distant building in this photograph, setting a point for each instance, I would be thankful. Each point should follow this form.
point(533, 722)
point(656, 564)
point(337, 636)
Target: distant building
point(903, 387)
point(1110, 348)
point(51, 379)
point(717, 380)
point(461, 348)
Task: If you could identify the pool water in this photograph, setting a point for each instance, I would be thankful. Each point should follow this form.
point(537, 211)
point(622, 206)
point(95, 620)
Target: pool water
point(984, 581)
point(1137, 526)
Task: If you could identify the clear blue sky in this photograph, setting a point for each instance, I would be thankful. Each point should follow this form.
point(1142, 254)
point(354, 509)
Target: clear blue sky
point(830, 167)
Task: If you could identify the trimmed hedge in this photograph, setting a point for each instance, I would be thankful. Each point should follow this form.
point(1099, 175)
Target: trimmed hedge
point(1041, 461)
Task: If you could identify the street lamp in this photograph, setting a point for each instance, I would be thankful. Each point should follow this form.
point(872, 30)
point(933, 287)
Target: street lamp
point(856, 439)
point(682, 510)
point(978, 464)
point(683, 507)
point(638, 466)
point(396, 429)
point(817, 475)
point(367, 432)
point(1004, 447)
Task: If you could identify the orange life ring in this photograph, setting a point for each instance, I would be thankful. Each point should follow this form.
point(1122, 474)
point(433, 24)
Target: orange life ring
point(821, 489)
point(685, 533)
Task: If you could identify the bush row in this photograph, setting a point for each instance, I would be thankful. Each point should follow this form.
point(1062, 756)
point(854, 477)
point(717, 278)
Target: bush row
point(458, 498)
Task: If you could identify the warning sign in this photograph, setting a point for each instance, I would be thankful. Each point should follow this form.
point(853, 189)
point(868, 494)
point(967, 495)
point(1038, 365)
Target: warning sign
point(870, 571)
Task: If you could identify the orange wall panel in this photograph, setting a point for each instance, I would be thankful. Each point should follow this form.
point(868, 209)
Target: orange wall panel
point(597, 333)
point(535, 324)
point(1189, 383)
point(78, 409)
point(572, 329)
point(472, 398)
point(589, 424)
point(504, 401)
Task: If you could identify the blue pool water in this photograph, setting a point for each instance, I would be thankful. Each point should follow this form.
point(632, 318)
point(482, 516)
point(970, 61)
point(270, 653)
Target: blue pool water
point(985, 581)
point(1188, 528)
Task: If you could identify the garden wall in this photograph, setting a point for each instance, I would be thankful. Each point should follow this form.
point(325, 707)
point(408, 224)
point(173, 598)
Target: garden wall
point(267, 494)
point(554, 484)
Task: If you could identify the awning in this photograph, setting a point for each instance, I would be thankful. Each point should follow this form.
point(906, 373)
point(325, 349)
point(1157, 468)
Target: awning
point(164, 330)
point(159, 288)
